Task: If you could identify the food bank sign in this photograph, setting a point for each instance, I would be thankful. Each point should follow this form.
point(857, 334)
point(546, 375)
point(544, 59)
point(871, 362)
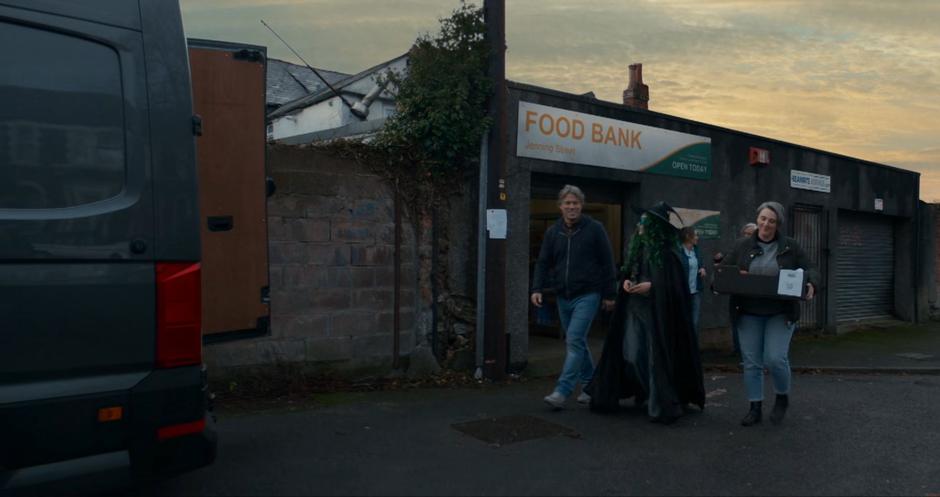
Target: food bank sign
point(561, 135)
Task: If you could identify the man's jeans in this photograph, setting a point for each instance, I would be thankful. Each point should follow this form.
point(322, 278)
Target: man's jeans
point(765, 341)
point(576, 316)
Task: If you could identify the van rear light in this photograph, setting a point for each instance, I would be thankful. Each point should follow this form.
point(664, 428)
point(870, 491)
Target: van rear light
point(182, 429)
point(179, 314)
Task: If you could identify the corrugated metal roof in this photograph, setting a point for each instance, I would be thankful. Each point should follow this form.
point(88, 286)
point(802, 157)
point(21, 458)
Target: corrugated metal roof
point(288, 82)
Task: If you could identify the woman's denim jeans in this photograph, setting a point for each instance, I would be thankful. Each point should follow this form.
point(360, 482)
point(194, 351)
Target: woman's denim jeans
point(765, 341)
point(696, 310)
point(576, 316)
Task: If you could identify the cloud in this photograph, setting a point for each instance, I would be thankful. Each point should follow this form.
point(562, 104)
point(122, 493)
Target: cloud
point(345, 36)
point(860, 78)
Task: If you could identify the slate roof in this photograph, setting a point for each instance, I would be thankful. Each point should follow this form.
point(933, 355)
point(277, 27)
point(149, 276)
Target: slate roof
point(288, 82)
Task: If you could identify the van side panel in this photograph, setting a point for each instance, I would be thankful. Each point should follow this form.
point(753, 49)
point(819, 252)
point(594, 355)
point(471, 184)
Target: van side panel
point(175, 187)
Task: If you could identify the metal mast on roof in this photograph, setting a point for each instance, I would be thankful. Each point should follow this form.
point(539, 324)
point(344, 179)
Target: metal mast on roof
point(327, 83)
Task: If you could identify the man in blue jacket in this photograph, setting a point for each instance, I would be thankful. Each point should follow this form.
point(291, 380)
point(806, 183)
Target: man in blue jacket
point(576, 263)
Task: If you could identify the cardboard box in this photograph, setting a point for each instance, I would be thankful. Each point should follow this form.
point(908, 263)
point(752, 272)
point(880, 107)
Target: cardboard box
point(729, 280)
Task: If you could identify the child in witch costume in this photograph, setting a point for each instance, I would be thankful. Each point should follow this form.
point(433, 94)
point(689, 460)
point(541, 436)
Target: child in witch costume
point(651, 352)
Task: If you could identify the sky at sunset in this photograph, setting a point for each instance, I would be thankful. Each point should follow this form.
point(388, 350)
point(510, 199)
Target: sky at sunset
point(860, 78)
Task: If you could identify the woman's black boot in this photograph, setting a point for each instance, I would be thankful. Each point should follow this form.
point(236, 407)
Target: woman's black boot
point(754, 415)
point(780, 408)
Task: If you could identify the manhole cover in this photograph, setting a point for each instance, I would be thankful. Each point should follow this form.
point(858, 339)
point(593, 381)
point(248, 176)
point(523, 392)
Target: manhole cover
point(917, 356)
point(511, 429)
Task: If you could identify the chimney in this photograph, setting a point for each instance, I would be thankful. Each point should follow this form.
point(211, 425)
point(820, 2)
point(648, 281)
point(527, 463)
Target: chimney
point(637, 95)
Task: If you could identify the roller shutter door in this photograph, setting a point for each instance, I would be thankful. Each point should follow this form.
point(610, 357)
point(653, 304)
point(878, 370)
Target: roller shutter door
point(864, 267)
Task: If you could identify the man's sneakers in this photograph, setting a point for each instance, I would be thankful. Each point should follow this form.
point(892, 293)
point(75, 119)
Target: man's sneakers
point(555, 400)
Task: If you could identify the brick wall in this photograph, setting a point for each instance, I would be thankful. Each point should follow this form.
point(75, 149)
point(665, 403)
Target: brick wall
point(331, 253)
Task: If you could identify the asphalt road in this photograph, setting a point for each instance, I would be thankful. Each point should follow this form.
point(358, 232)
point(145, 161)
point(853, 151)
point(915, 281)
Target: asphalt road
point(845, 435)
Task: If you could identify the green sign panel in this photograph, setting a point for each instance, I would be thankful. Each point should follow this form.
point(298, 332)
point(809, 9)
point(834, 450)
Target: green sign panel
point(693, 161)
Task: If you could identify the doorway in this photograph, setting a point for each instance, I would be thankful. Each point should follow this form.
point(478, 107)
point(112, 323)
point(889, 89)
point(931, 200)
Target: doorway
point(809, 231)
point(543, 213)
point(864, 267)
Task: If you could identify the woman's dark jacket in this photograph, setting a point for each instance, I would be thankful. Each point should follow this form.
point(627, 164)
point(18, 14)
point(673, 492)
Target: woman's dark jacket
point(672, 342)
point(789, 256)
point(699, 281)
point(575, 262)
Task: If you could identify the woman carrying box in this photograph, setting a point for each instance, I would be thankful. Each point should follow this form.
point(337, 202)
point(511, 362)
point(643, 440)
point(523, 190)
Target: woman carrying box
point(765, 325)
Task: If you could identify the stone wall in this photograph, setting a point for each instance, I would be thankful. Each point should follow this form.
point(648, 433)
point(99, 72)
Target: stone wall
point(331, 254)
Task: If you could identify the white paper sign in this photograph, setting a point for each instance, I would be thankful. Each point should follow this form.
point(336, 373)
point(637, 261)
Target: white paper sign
point(790, 282)
point(496, 223)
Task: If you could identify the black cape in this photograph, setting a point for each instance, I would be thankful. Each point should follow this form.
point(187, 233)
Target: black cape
point(672, 343)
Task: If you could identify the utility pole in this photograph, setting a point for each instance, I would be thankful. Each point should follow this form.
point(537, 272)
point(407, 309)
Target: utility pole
point(494, 325)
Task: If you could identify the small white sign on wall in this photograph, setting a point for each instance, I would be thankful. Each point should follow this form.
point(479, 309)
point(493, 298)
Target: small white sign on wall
point(810, 181)
point(879, 204)
point(496, 223)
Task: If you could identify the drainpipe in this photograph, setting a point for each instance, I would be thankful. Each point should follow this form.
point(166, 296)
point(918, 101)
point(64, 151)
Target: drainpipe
point(435, 339)
point(481, 257)
point(396, 345)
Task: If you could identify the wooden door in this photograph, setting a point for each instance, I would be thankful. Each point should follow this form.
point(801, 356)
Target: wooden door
point(228, 83)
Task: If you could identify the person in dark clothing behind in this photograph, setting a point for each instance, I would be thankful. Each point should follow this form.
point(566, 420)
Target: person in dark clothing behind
point(651, 351)
point(576, 263)
point(766, 325)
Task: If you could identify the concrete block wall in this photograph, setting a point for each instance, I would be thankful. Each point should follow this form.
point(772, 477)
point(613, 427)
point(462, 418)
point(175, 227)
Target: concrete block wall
point(331, 254)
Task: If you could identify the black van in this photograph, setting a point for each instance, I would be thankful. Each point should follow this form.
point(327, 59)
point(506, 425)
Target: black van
point(101, 374)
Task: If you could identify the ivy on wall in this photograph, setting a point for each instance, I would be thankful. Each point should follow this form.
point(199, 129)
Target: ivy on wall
point(441, 102)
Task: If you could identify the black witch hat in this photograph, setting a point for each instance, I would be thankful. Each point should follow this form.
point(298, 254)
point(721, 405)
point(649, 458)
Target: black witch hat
point(664, 212)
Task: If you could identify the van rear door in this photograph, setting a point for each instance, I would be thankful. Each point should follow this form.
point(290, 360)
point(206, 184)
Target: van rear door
point(77, 238)
point(228, 81)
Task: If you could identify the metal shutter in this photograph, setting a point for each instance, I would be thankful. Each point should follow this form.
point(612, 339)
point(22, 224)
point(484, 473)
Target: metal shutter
point(864, 267)
point(808, 231)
